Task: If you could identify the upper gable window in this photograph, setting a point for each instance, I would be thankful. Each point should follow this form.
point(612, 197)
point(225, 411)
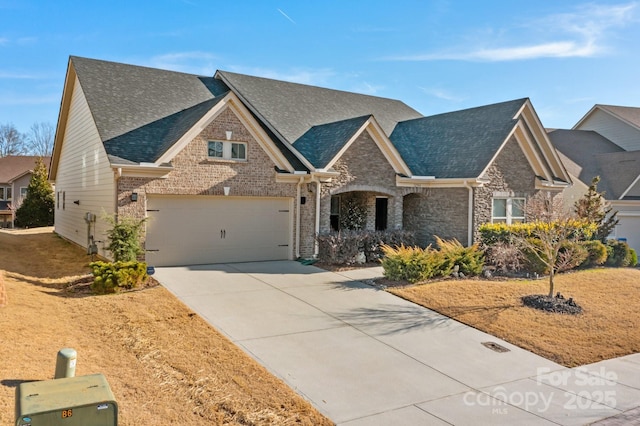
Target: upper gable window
point(236, 151)
point(507, 210)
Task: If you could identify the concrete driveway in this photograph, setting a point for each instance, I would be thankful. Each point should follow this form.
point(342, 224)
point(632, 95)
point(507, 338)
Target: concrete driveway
point(365, 357)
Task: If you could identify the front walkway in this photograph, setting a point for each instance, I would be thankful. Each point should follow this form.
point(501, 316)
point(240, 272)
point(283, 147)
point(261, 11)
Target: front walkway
point(365, 357)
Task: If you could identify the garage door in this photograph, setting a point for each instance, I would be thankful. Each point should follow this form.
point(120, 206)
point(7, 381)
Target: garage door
point(193, 230)
point(629, 228)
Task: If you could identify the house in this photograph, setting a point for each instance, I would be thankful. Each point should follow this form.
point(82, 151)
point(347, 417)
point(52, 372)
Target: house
point(606, 143)
point(241, 168)
point(15, 175)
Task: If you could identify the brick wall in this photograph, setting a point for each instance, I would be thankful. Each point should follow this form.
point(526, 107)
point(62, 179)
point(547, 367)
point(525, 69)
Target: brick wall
point(195, 174)
point(509, 175)
point(438, 212)
point(363, 168)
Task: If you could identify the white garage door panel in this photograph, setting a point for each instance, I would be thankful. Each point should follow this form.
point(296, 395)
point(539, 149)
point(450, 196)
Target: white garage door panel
point(629, 228)
point(185, 230)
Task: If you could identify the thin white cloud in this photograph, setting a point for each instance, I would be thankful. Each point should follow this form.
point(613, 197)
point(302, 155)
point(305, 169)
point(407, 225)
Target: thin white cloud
point(367, 88)
point(441, 94)
point(582, 33)
point(287, 16)
point(202, 63)
point(28, 100)
point(17, 76)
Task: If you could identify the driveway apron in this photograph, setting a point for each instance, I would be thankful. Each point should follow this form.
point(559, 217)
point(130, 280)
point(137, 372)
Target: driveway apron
point(365, 357)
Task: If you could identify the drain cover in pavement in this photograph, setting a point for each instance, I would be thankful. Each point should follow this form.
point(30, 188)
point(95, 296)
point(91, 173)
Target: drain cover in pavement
point(495, 347)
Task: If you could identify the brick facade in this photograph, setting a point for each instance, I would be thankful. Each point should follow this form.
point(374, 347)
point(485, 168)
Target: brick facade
point(441, 212)
point(510, 175)
point(196, 174)
point(364, 169)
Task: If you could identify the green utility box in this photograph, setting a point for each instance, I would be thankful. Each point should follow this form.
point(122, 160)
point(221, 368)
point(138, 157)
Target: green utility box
point(73, 401)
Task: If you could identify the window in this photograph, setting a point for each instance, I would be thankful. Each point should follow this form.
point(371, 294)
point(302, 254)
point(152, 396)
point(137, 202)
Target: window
point(228, 150)
point(8, 193)
point(215, 149)
point(2, 193)
point(507, 210)
point(238, 151)
point(334, 215)
point(23, 191)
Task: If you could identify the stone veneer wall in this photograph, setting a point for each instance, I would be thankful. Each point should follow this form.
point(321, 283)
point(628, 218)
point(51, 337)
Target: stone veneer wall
point(195, 174)
point(510, 175)
point(363, 167)
point(438, 212)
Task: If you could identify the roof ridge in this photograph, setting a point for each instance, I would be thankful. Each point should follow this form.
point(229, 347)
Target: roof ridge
point(83, 58)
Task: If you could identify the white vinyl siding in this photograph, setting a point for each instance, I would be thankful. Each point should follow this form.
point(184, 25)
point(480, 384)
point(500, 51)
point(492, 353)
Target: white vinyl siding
point(84, 175)
point(613, 129)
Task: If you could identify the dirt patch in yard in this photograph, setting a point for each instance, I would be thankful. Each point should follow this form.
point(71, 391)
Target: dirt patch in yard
point(608, 327)
point(164, 363)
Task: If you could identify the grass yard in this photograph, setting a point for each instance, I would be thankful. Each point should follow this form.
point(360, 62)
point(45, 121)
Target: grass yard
point(608, 327)
point(165, 365)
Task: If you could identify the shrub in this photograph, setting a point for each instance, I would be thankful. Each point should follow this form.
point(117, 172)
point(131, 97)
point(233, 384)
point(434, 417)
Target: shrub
point(111, 277)
point(618, 253)
point(411, 263)
point(571, 255)
point(532, 262)
point(506, 257)
point(343, 247)
point(634, 257)
point(596, 253)
point(373, 241)
point(469, 260)
point(124, 238)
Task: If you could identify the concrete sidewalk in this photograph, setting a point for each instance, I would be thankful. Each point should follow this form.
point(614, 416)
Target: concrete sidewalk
point(365, 357)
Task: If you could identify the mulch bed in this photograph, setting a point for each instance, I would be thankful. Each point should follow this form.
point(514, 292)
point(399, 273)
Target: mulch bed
point(555, 304)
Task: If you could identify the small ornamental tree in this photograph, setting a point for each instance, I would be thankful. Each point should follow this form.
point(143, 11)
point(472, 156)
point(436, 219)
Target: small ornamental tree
point(594, 208)
point(353, 212)
point(124, 238)
point(38, 206)
point(551, 232)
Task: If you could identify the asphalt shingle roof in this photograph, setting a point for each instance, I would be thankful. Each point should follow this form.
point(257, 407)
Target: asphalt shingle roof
point(320, 144)
point(130, 103)
point(458, 144)
point(594, 155)
point(292, 108)
point(13, 166)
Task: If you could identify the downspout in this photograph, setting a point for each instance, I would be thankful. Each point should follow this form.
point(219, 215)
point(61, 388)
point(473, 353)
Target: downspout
point(297, 252)
point(317, 218)
point(469, 214)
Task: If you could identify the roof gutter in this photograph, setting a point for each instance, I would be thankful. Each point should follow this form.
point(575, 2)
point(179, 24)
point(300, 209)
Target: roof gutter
point(434, 182)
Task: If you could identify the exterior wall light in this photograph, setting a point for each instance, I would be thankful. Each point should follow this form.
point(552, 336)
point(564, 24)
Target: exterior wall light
point(134, 196)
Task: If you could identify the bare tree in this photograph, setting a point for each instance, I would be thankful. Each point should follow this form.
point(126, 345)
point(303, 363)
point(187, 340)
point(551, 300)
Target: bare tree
point(40, 139)
point(11, 141)
point(552, 228)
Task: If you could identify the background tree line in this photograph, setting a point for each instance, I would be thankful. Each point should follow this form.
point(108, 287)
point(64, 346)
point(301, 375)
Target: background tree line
point(38, 140)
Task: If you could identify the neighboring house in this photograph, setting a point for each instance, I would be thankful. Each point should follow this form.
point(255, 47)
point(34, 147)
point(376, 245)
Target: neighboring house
point(606, 143)
point(240, 168)
point(15, 174)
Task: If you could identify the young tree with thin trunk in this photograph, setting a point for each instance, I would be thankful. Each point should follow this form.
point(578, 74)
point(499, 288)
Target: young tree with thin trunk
point(595, 208)
point(37, 207)
point(550, 232)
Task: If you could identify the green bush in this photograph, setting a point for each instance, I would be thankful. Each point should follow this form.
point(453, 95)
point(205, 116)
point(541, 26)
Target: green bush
point(413, 264)
point(112, 277)
point(124, 238)
point(618, 253)
point(532, 262)
point(373, 241)
point(634, 257)
point(470, 260)
point(596, 254)
point(571, 255)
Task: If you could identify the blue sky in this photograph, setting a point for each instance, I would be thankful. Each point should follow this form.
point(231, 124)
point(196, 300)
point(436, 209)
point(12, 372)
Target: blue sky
point(435, 55)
